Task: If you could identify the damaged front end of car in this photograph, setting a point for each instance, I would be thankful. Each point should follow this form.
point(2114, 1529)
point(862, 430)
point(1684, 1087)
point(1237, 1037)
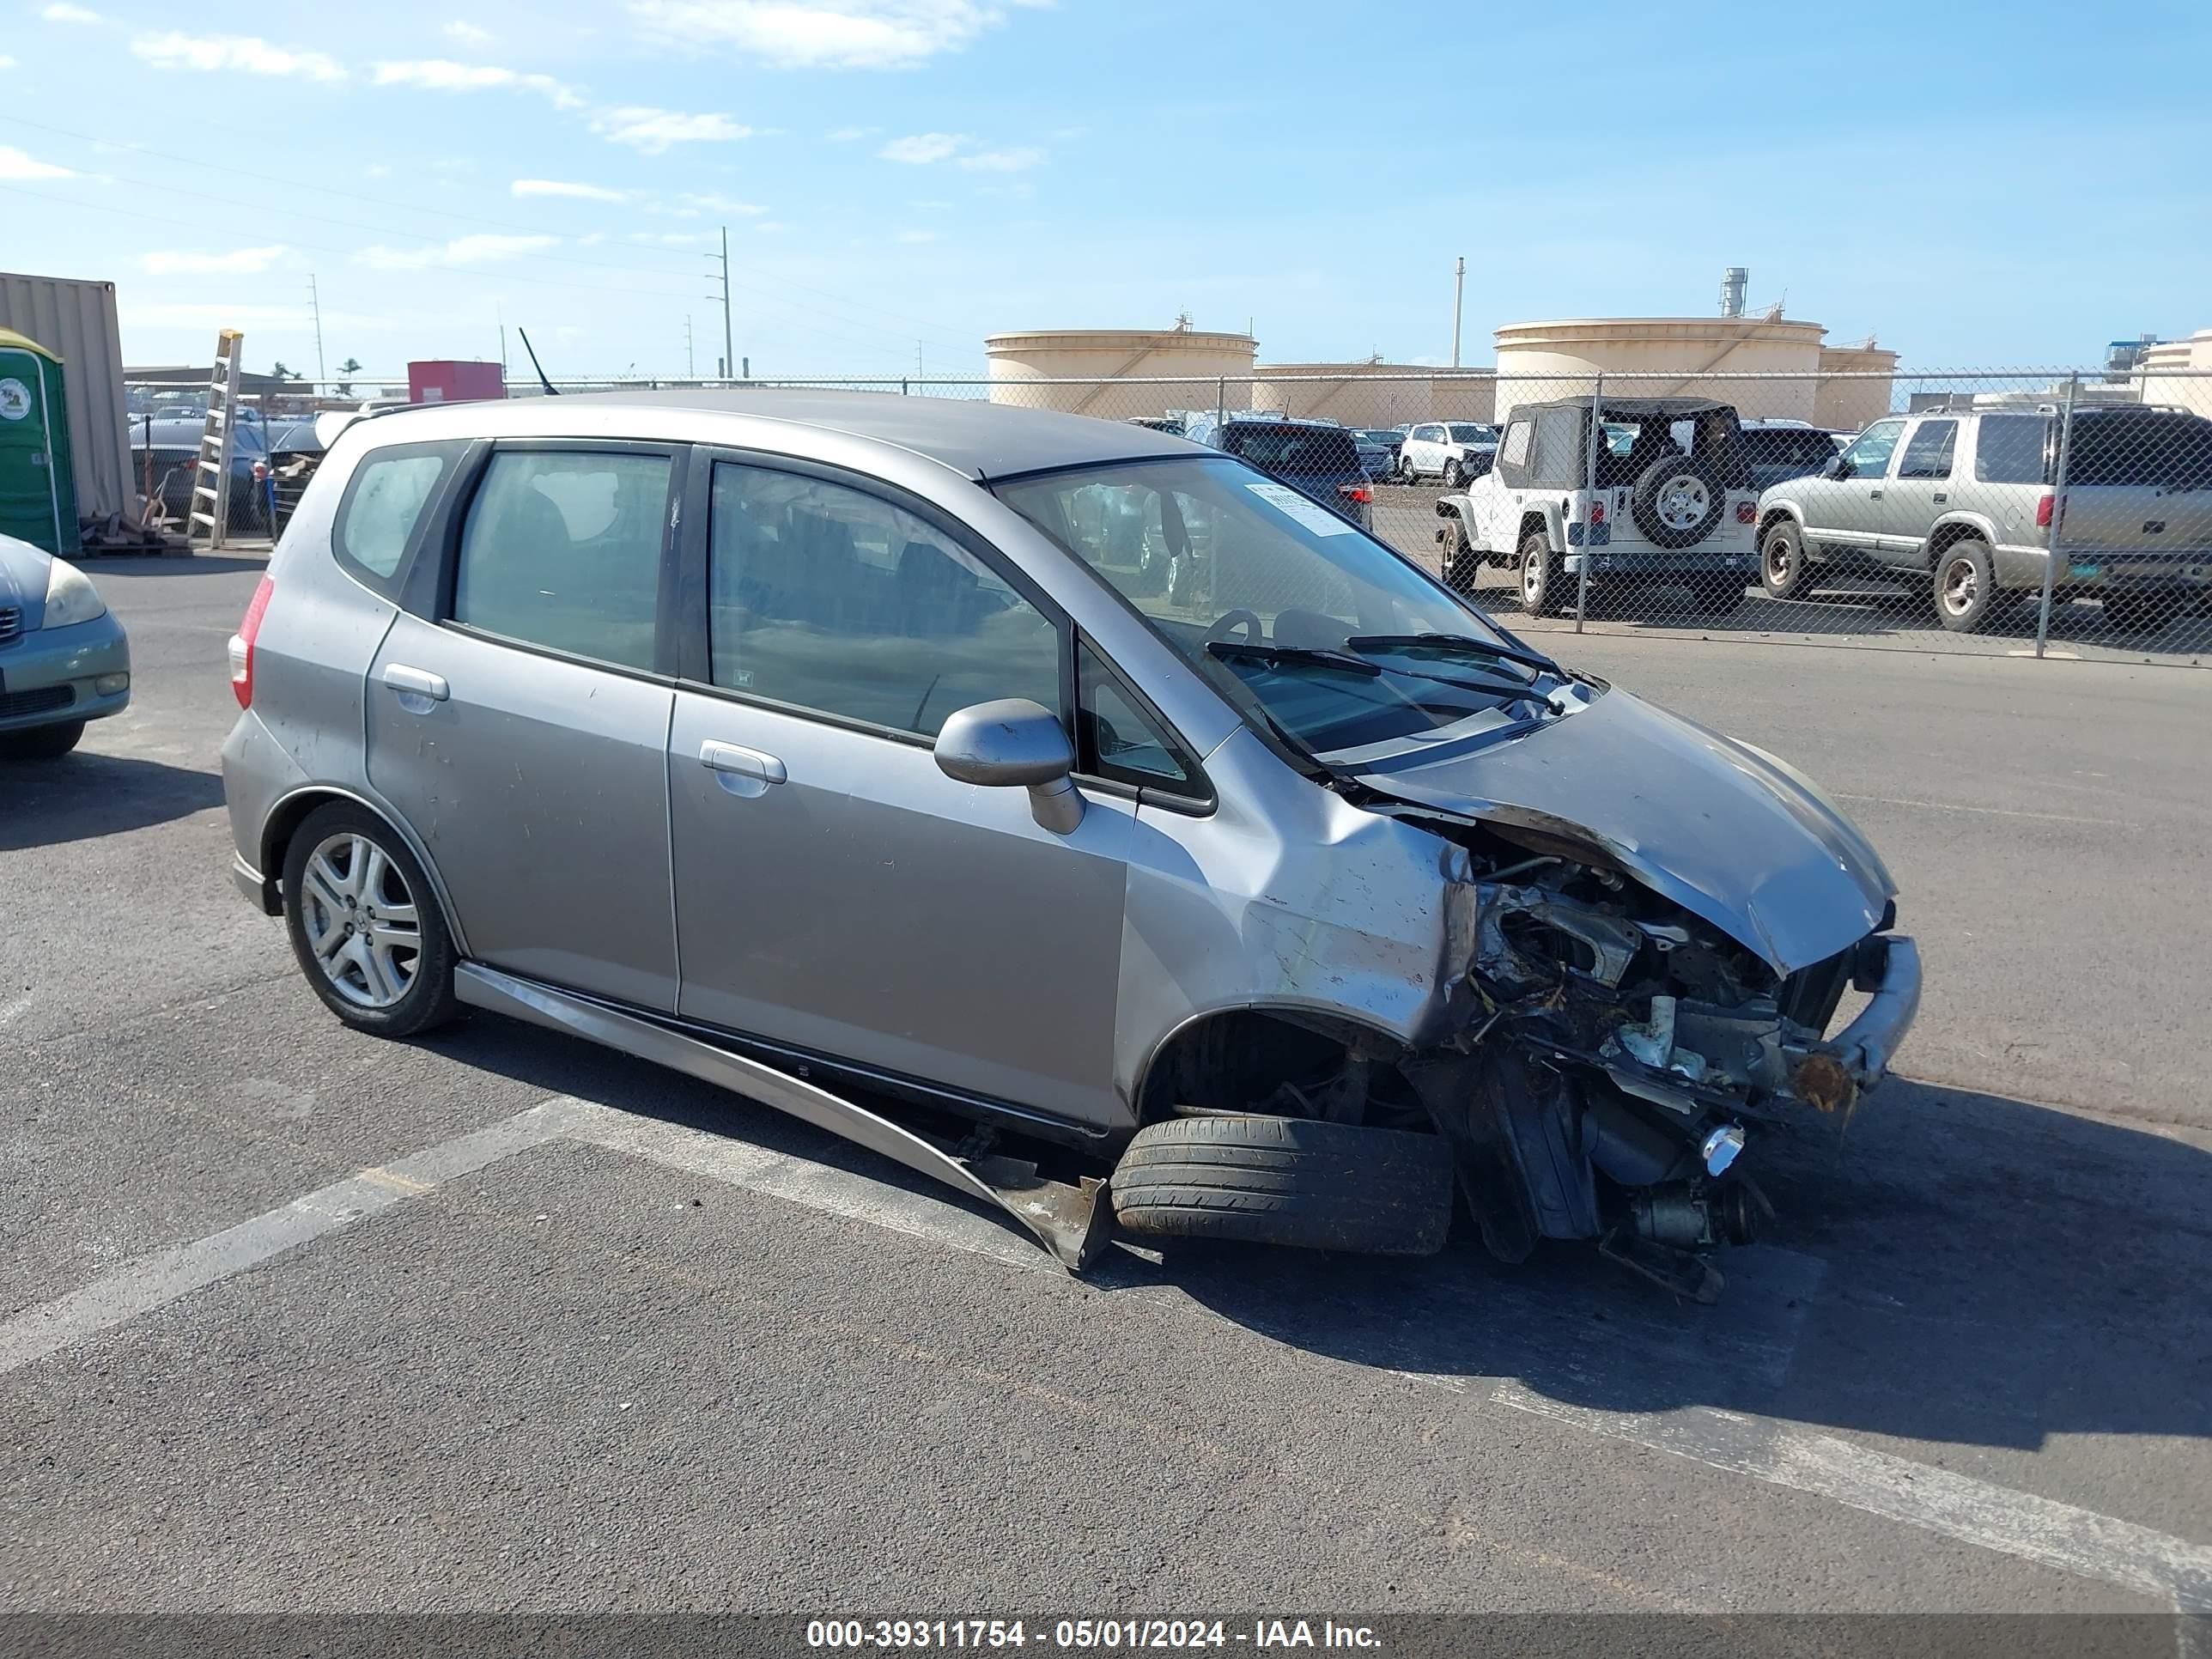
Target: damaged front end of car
point(1611, 1042)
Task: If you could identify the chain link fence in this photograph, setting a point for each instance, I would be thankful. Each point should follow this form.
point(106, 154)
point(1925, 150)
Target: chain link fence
point(2022, 512)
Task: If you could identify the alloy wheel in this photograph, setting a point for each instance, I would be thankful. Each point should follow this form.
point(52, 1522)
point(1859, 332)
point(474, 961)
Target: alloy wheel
point(361, 919)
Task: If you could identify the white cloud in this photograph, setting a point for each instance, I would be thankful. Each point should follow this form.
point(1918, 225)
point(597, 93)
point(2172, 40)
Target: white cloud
point(469, 35)
point(852, 135)
point(915, 236)
point(713, 202)
point(62, 13)
point(824, 33)
point(461, 251)
point(653, 130)
point(1017, 159)
point(565, 188)
point(668, 238)
point(243, 52)
point(6, 61)
point(239, 262)
point(920, 148)
point(14, 164)
point(443, 75)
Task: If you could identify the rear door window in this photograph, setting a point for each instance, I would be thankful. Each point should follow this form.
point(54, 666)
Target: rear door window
point(563, 549)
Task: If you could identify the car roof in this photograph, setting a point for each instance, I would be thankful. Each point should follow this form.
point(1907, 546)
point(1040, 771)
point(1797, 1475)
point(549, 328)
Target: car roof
point(979, 438)
point(1630, 408)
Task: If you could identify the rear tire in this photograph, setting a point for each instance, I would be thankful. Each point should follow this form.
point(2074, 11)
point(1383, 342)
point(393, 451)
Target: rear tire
point(1964, 585)
point(2140, 613)
point(1540, 573)
point(41, 742)
point(1287, 1181)
point(348, 919)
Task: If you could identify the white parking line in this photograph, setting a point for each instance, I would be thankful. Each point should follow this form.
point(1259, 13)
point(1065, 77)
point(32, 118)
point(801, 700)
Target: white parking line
point(1979, 1512)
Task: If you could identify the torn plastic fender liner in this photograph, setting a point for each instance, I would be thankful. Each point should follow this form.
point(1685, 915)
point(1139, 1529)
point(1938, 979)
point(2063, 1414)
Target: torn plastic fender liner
point(1072, 1222)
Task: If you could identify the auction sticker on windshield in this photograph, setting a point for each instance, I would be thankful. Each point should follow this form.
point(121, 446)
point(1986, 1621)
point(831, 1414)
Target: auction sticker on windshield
point(1316, 518)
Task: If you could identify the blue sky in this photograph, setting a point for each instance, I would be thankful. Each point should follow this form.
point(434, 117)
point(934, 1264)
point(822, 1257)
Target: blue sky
point(1974, 184)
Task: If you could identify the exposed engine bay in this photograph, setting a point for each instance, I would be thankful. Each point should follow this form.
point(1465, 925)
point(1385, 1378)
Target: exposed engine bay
point(1606, 1058)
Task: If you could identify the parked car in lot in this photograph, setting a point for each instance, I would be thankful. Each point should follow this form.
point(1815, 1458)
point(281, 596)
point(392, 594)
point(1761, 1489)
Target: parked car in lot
point(1320, 460)
point(1293, 903)
point(65, 659)
point(1780, 450)
point(1454, 451)
point(173, 442)
point(1378, 448)
point(1964, 502)
point(1674, 505)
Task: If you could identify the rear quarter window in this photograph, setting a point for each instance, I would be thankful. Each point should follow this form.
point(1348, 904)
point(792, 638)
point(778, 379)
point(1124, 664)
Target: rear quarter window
point(384, 506)
point(2009, 449)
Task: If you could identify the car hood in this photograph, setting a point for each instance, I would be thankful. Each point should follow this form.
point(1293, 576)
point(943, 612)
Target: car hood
point(1725, 830)
point(23, 571)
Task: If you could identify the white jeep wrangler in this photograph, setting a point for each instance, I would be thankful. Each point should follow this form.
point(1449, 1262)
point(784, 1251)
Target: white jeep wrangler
point(1674, 505)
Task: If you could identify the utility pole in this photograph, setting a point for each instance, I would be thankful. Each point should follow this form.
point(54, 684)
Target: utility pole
point(315, 306)
point(729, 342)
point(689, 372)
point(499, 313)
point(1459, 292)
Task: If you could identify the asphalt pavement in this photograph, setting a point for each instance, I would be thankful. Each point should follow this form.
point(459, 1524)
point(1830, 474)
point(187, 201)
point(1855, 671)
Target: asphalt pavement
point(291, 1317)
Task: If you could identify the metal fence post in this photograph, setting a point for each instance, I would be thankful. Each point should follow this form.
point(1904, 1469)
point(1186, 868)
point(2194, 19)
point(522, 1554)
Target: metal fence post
point(1220, 404)
point(1592, 444)
point(2058, 513)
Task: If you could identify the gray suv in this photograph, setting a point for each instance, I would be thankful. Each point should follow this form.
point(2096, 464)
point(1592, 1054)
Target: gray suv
point(835, 748)
point(1966, 500)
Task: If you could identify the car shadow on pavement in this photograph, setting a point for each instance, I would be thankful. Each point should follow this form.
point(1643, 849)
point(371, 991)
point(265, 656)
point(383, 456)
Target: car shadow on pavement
point(1953, 1266)
point(83, 796)
point(171, 564)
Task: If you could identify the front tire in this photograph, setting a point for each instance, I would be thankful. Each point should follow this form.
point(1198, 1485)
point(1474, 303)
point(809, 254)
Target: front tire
point(1286, 1180)
point(364, 924)
point(1454, 474)
point(41, 742)
point(1965, 589)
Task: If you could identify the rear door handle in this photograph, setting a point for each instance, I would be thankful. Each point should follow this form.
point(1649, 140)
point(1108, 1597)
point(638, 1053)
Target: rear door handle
point(417, 682)
point(1874, 494)
point(738, 761)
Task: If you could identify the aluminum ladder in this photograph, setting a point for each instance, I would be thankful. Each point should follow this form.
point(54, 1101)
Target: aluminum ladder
point(210, 502)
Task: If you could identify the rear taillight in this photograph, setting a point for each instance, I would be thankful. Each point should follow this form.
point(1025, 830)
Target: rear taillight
point(1746, 511)
point(2043, 506)
point(1597, 512)
point(1359, 493)
point(241, 645)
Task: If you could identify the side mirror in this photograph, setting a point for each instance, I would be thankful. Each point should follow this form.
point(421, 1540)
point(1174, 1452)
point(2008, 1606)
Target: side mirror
point(1835, 467)
point(1014, 742)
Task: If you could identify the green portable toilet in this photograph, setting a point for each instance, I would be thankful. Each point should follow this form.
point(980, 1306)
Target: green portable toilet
point(38, 483)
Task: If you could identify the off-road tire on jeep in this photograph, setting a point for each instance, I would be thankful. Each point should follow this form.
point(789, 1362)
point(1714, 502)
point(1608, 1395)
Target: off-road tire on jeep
point(1541, 578)
point(41, 742)
point(1671, 484)
point(1782, 570)
point(1964, 586)
point(1287, 1181)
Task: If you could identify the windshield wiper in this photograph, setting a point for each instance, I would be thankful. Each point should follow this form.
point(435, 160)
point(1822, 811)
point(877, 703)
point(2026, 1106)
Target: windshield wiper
point(1457, 643)
point(1313, 655)
point(1345, 662)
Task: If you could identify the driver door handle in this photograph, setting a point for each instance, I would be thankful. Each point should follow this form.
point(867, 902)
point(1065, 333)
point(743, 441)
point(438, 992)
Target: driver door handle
point(742, 762)
point(419, 681)
point(1874, 494)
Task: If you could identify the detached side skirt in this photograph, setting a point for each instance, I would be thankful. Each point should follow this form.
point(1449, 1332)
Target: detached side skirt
point(1072, 1222)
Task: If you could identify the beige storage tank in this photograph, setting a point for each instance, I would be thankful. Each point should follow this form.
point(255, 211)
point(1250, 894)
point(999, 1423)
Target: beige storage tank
point(1373, 394)
point(1024, 364)
point(1654, 356)
point(1856, 385)
point(2192, 392)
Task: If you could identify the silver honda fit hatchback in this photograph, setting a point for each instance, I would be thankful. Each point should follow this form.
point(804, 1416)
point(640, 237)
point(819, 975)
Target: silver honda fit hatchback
point(845, 749)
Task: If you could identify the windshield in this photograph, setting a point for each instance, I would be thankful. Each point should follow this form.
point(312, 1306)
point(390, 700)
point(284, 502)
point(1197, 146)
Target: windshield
point(1462, 433)
point(1214, 554)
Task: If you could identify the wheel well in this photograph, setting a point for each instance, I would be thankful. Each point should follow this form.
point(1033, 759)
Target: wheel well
point(1945, 535)
point(1778, 515)
point(284, 823)
point(1238, 1058)
point(1530, 521)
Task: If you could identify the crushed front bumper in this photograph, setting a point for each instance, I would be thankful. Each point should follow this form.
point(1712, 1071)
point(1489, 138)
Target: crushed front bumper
point(1867, 1045)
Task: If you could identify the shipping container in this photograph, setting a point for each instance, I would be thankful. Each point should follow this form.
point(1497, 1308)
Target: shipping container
point(76, 321)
